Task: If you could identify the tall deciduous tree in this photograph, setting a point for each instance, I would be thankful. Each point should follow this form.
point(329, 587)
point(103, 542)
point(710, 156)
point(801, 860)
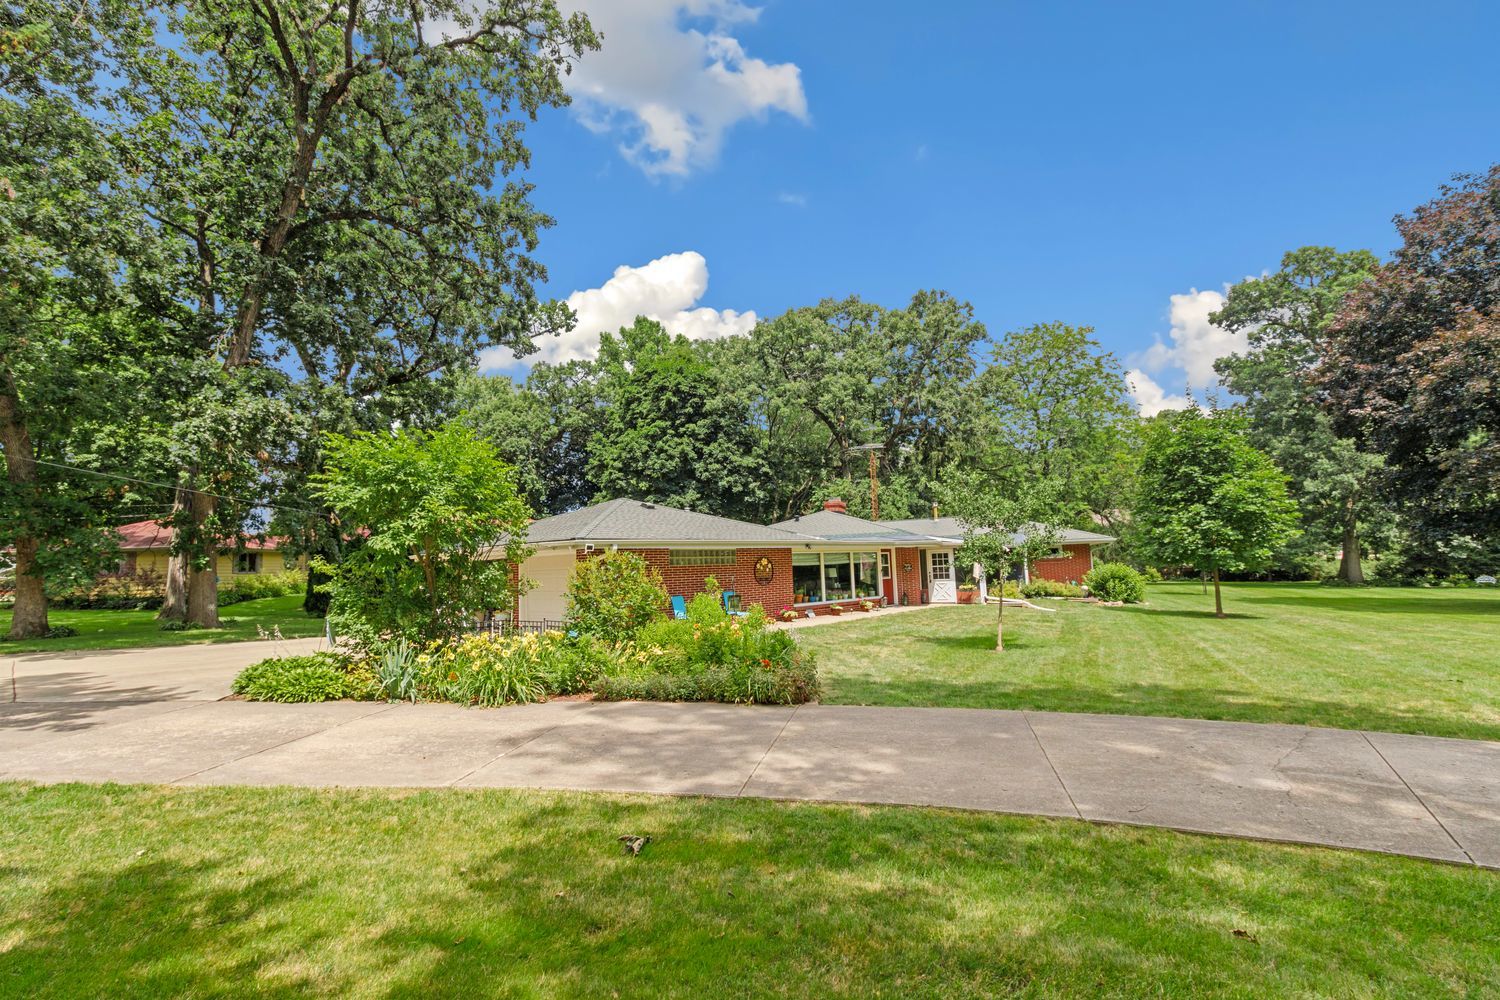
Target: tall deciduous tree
point(322, 177)
point(70, 359)
point(1411, 366)
point(669, 431)
point(1054, 406)
point(1207, 498)
point(1003, 527)
point(1286, 316)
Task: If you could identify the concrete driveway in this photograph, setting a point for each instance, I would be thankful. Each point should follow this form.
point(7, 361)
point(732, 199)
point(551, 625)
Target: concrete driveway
point(153, 716)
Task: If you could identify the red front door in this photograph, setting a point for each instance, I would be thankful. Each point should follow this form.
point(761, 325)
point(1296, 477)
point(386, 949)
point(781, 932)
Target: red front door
point(887, 579)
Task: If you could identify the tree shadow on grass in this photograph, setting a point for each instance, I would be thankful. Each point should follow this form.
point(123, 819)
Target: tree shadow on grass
point(149, 929)
point(1360, 602)
point(1208, 613)
point(1155, 700)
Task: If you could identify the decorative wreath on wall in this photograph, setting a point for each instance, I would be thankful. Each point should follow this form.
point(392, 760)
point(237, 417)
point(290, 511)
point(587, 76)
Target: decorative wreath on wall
point(765, 571)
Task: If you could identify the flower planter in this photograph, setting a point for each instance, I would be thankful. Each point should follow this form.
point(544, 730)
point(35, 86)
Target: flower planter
point(967, 596)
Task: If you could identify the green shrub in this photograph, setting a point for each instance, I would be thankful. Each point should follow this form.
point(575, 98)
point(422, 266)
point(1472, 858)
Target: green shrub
point(1116, 582)
point(316, 677)
point(613, 595)
point(61, 632)
point(765, 683)
point(1151, 574)
point(712, 656)
point(577, 664)
point(254, 586)
point(1050, 588)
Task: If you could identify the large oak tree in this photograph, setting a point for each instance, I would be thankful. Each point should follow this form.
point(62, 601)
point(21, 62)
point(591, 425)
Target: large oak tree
point(337, 188)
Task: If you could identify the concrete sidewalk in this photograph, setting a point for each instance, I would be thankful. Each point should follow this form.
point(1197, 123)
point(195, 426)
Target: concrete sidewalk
point(153, 719)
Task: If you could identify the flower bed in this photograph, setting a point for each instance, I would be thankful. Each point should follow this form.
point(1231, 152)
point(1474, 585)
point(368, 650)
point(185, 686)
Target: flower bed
point(709, 656)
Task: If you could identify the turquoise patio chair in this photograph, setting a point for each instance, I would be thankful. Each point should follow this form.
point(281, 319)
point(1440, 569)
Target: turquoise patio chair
point(732, 604)
point(679, 607)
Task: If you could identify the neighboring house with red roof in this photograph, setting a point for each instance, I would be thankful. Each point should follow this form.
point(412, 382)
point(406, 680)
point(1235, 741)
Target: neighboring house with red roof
point(146, 545)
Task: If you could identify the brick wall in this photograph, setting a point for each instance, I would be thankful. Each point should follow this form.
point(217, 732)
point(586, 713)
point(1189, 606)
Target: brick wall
point(908, 582)
point(738, 576)
point(1070, 569)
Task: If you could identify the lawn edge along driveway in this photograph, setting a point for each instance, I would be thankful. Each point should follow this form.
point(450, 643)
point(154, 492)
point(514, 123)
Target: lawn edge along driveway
point(1425, 797)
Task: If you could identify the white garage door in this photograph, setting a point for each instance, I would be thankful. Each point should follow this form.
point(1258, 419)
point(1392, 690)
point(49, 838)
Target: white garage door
point(548, 573)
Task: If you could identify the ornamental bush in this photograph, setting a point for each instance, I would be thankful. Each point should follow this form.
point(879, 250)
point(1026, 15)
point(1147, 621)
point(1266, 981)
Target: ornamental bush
point(1050, 588)
point(1116, 582)
point(316, 677)
point(613, 595)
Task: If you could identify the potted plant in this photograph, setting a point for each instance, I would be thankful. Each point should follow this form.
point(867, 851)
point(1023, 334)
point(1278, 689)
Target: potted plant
point(789, 615)
point(967, 592)
point(867, 605)
point(835, 609)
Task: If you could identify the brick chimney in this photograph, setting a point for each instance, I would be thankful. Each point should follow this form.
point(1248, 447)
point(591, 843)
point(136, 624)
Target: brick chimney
point(836, 505)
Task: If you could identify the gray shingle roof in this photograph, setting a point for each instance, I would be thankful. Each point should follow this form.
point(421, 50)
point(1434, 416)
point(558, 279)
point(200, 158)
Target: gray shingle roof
point(949, 527)
point(832, 526)
point(625, 520)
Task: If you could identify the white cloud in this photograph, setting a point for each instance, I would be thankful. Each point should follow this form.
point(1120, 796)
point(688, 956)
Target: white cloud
point(666, 290)
point(671, 91)
point(1150, 397)
point(792, 198)
point(1195, 345)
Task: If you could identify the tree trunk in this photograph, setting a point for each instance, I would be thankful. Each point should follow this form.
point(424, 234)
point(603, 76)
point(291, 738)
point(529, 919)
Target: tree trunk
point(315, 601)
point(174, 606)
point(1000, 617)
point(203, 584)
point(1350, 571)
point(29, 616)
point(1218, 599)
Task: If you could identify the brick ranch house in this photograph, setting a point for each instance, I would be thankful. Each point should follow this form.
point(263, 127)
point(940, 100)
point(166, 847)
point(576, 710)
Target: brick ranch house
point(809, 563)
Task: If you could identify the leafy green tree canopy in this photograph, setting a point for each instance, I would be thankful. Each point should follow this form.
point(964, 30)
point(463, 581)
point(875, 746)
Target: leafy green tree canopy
point(1207, 498)
point(335, 192)
point(437, 522)
point(1054, 405)
point(1412, 365)
point(1286, 316)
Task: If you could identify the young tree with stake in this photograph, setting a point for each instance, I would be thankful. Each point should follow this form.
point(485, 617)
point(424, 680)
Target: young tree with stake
point(1001, 528)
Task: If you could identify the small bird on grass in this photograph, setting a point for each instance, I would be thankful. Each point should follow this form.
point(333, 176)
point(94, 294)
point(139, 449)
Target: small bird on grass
point(632, 844)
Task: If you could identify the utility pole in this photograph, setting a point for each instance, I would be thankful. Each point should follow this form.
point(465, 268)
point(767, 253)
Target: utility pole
point(873, 450)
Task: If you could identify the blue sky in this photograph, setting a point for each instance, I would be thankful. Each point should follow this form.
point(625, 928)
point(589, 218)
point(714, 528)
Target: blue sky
point(1082, 162)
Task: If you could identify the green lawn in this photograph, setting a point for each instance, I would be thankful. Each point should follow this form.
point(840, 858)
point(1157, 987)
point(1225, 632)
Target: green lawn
point(149, 892)
point(128, 629)
point(1398, 660)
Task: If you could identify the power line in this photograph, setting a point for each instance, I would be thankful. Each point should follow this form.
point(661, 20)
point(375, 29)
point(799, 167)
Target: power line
point(169, 486)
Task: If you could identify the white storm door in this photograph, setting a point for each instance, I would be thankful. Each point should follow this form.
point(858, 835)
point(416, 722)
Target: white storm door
point(941, 587)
